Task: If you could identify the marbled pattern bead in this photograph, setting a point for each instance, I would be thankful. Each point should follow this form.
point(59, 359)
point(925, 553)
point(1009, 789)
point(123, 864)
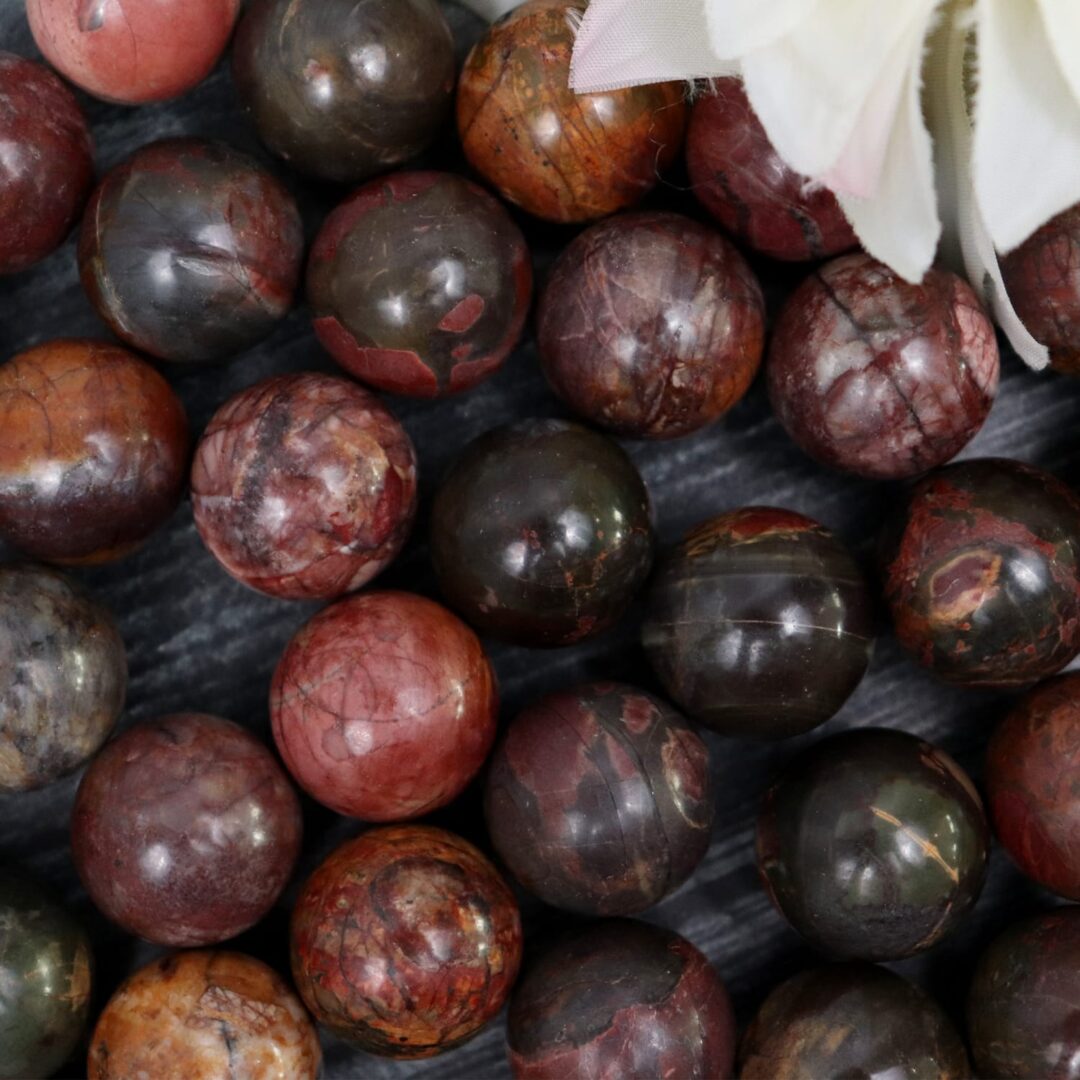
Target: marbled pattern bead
point(384, 706)
point(625, 763)
point(760, 623)
point(191, 251)
point(621, 999)
point(95, 451)
point(205, 1015)
point(873, 844)
point(1022, 1006)
point(304, 486)
point(562, 156)
point(651, 325)
point(874, 376)
point(1033, 784)
point(981, 565)
point(63, 676)
point(45, 980)
point(405, 941)
point(47, 168)
point(851, 1020)
point(185, 830)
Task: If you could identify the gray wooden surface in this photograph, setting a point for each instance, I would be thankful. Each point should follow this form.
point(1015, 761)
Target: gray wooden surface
point(197, 640)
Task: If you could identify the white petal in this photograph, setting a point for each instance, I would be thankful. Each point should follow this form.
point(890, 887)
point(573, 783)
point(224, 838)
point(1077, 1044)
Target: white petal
point(737, 27)
point(1027, 126)
point(899, 224)
point(1062, 20)
point(809, 88)
point(629, 42)
point(491, 9)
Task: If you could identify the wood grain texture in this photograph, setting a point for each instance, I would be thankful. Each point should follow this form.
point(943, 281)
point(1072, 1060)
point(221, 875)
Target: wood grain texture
point(200, 641)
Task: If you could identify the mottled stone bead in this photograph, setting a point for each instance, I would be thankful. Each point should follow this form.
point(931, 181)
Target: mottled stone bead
point(873, 844)
point(204, 1015)
point(738, 176)
point(405, 941)
point(133, 51)
point(191, 251)
point(872, 375)
point(304, 486)
point(47, 167)
point(419, 284)
point(611, 788)
point(651, 325)
point(760, 623)
point(185, 830)
point(562, 156)
point(384, 706)
point(63, 676)
point(94, 452)
point(345, 89)
point(1022, 1006)
point(45, 980)
point(1033, 784)
point(621, 999)
point(981, 565)
point(851, 1020)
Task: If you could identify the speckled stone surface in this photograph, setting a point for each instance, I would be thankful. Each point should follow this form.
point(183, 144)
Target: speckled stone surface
point(198, 640)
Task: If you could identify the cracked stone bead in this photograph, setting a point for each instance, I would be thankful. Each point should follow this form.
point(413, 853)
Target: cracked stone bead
point(651, 325)
point(1022, 1005)
point(304, 486)
point(851, 1020)
point(874, 376)
point(47, 168)
point(205, 1015)
point(63, 676)
point(46, 964)
point(982, 573)
point(620, 998)
point(405, 941)
point(94, 454)
point(561, 156)
point(191, 251)
point(345, 89)
point(542, 533)
point(738, 176)
point(1042, 277)
point(444, 310)
point(625, 763)
point(1033, 784)
point(760, 623)
point(872, 844)
point(133, 51)
point(384, 706)
point(185, 830)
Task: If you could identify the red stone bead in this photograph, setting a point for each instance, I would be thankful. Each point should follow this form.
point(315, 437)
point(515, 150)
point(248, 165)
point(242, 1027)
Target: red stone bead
point(877, 377)
point(651, 325)
point(384, 706)
point(743, 182)
point(1033, 785)
point(133, 51)
point(185, 830)
point(304, 486)
point(405, 941)
point(47, 165)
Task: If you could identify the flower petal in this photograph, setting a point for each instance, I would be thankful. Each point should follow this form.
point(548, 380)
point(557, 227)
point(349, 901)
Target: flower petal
point(630, 42)
point(899, 223)
point(491, 9)
point(1062, 20)
point(737, 27)
point(809, 87)
point(1026, 151)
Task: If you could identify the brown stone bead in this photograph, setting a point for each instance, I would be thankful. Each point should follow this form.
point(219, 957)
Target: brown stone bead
point(561, 156)
point(405, 941)
point(204, 1015)
point(94, 451)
